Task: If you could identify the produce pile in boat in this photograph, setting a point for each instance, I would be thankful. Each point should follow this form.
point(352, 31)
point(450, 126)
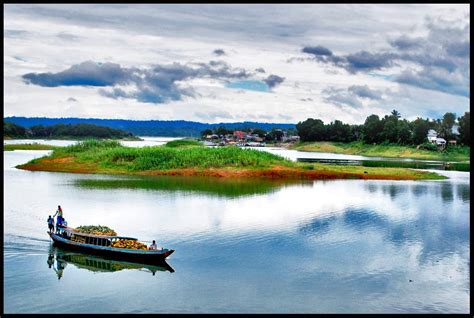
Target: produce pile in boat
point(96, 230)
point(134, 245)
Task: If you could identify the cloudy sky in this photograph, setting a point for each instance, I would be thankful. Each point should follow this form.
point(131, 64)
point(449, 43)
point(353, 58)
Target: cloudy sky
point(230, 63)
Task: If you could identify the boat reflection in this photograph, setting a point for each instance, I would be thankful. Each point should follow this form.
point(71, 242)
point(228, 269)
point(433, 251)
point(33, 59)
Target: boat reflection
point(59, 258)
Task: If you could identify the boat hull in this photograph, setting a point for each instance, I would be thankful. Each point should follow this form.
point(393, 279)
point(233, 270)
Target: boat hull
point(141, 256)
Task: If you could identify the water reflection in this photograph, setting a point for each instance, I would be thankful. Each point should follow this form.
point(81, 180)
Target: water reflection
point(59, 258)
point(447, 192)
point(222, 187)
point(463, 192)
point(419, 190)
point(318, 226)
point(393, 190)
point(437, 233)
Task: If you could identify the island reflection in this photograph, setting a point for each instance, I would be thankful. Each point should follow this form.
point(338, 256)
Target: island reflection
point(221, 187)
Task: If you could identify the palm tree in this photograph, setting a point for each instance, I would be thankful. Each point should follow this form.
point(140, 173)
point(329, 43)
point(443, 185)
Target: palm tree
point(395, 113)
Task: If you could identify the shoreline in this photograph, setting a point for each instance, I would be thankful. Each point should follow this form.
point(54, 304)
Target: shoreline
point(383, 151)
point(72, 138)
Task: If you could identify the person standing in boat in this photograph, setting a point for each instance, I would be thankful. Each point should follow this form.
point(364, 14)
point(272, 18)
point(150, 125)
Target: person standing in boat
point(59, 219)
point(59, 212)
point(51, 224)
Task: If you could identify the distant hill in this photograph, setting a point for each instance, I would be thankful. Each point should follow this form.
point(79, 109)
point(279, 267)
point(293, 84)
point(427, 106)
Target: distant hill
point(172, 128)
point(81, 131)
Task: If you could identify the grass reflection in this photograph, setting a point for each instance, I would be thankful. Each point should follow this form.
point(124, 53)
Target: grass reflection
point(231, 188)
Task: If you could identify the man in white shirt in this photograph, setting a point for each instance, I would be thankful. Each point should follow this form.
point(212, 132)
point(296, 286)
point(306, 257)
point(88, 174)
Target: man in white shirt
point(153, 246)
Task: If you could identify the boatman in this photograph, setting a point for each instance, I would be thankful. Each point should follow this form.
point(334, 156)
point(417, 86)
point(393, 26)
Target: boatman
point(59, 219)
point(153, 246)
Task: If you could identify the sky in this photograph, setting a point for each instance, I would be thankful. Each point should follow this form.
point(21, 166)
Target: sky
point(236, 62)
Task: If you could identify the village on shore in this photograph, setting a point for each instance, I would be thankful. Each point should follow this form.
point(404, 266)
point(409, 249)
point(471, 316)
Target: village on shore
point(249, 139)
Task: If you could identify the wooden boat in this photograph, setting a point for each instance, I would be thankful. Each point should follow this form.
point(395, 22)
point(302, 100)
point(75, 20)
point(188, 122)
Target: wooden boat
point(102, 245)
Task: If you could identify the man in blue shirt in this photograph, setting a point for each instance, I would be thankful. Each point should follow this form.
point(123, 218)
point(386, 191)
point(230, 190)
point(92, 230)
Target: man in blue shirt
point(51, 224)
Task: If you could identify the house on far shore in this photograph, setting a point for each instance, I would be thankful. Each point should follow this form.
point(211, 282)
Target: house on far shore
point(432, 137)
point(440, 141)
point(213, 136)
point(240, 135)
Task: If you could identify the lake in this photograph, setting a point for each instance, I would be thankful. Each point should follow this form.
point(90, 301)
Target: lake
point(262, 246)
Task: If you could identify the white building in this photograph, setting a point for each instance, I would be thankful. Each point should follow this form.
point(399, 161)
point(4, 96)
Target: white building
point(433, 138)
point(432, 135)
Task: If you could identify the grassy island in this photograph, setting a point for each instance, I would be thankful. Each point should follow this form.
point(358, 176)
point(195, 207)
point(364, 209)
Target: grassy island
point(188, 158)
point(33, 146)
point(452, 153)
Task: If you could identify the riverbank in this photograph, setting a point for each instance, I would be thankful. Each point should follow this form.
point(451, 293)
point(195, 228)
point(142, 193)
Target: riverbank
point(109, 157)
point(75, 138)
point(34, 146)
point(452, 153)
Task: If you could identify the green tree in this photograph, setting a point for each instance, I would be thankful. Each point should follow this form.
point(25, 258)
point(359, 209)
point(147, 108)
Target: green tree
point(206, 132)
point(338, 131)
point(221, 130)
point(404, 132)
point(464, 128)
point(277, 134)
point(420, 128)
point(13, 130)
point(373, 128)
point(311, 130)
point(395, 113)
point(260, 132)
point(446, 125)
point(390, 128)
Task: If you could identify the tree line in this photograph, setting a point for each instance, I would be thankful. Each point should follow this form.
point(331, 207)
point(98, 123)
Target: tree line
point(389, 129)
point(61, 130)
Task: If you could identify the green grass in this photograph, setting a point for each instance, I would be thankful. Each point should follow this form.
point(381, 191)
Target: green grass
point(183, 143)
point(451, 153)
point(34, 146)
point(110, 154)
point(381, 171)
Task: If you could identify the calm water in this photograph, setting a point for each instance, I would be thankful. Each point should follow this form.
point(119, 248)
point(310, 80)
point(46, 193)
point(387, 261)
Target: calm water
point(241, 246)
point(147, 141)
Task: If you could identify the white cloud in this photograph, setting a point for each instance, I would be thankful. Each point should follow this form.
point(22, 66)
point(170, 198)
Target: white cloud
point(52, 38)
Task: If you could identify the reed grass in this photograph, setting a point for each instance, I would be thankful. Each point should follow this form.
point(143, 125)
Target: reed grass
point(111, 154)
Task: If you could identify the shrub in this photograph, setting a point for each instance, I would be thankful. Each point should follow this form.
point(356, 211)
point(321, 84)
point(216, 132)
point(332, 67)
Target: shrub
point(428, 146)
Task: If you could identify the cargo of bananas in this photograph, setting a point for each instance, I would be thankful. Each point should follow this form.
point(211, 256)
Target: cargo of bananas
point(96, 230)
point(78, 239)
point(131, 244)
